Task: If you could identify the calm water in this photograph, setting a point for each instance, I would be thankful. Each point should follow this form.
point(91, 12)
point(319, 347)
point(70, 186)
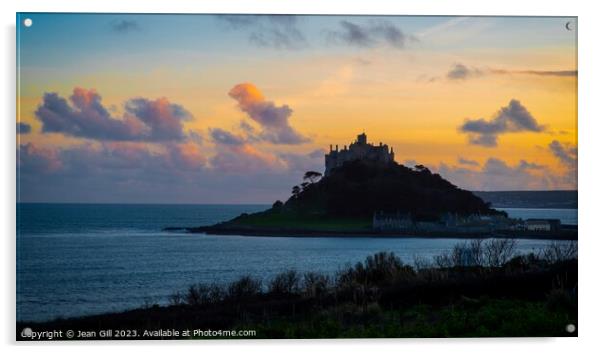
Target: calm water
point(84, 259)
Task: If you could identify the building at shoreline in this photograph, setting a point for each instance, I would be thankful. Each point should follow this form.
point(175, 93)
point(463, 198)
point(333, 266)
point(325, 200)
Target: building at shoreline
point(357, 150)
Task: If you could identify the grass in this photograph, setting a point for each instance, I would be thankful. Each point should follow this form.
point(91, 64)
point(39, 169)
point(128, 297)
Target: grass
point(483, 317)
point(304, 222)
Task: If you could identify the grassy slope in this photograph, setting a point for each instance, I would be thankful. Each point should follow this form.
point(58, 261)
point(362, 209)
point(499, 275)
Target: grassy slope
point(302, 222)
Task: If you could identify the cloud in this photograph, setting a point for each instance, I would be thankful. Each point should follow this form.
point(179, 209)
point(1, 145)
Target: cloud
point(187, 156)
point(462, 72)
point(23, 128)
point(566, 153)
point(124, 26)
point(303, 162)
point(375, 33)
point(163, 118)
point(111, 172)
point(512, 118)
point(244, 159)
point(318, 153)
point(463, 161)
point(567, 156)
point(559, 73)
point(173, 172)
point(236, 154)
point(496, 174)
point(84, 116)
point(525, 165)
point(270, 31)
point(221, 136)
point(38, 160)
point(274, 120)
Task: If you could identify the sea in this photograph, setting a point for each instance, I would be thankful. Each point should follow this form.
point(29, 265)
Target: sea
point(82, 259)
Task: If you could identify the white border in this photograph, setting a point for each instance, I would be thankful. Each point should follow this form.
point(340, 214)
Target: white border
point(590, 177)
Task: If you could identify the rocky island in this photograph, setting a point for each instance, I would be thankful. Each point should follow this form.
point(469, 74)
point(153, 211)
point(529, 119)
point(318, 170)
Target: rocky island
point(364, 192)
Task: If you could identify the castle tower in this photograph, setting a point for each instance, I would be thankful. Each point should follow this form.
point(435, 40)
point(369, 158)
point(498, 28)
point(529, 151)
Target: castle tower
point(362, 138)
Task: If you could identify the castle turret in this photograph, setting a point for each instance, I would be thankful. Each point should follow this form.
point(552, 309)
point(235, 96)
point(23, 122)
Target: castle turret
point(362, 138)
point(358, 150)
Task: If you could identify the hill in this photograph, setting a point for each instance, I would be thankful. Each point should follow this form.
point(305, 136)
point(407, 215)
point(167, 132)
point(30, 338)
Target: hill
point(360, 188)
point(345, 201)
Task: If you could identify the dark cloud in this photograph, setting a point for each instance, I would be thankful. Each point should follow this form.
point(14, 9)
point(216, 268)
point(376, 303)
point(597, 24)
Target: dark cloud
point(84, 116)
point(561, 73)
point(33, 159)
point(110, 172)
point(23, 128)
point(164, 119)
point(565, 153)
point(136, 172)
point(369, 35)
point(462, 72)
point(221, 136)
point(272, 31)
point(525, 165)
point(300, 163)
point(319, 153)
point(496, 174)
point(245, 159)
point(512, 118)
point(274, 120)
point(124, 26)
point(463, 161)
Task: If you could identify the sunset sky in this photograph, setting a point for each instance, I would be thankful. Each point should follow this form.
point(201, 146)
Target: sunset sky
point(233, 109)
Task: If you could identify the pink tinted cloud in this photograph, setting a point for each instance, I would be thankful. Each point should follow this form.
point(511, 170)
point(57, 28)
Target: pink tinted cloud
point(84, 116)
point(273, 119)
point(37, 159)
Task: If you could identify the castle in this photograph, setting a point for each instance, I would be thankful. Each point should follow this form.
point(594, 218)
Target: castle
point(358, 150)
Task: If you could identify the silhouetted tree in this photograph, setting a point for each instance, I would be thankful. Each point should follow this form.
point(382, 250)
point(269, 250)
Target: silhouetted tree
point(421, 168)
point(312, 176)
point(296, 191)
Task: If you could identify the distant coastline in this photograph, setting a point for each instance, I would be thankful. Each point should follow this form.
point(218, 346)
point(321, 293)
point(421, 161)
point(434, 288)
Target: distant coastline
point(561, 199)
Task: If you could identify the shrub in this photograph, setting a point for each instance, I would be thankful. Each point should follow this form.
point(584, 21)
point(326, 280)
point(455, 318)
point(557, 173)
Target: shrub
point(285, 283)
point(176, 299)
point(202, 294)
point(523, 262)
point(477, 252)
point(384, 267)
point(244, 287)
point(378, 269)
point(558, 252)
point(468, 254)
point(498, 251)
point(421, 263)
point(314, 284)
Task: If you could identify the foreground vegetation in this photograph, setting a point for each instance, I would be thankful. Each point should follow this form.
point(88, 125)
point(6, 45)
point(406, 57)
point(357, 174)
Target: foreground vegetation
point(479, 288)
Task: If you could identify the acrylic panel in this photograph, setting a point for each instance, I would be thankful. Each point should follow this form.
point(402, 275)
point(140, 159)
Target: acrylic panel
point(222, 176)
